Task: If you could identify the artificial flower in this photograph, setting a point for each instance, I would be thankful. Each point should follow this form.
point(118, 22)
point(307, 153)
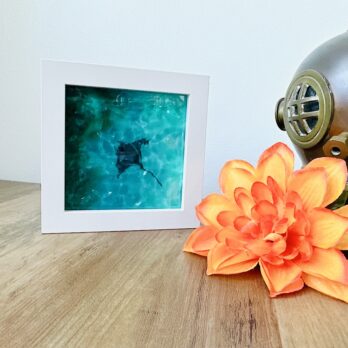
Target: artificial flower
point(275, 217)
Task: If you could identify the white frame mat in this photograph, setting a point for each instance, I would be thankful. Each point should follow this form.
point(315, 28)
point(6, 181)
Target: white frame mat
point(55, 75)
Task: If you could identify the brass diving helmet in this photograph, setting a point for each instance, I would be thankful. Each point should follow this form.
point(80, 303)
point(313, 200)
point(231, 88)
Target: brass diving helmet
point(314, 111)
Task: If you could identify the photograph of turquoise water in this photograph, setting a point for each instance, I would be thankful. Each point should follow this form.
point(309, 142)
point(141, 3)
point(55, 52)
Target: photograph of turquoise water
point(124, 149)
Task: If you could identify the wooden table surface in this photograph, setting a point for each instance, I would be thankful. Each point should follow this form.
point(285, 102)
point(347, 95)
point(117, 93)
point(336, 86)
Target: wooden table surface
point(138, 289)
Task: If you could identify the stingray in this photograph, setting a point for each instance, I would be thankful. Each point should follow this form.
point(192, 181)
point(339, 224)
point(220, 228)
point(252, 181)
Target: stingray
point(129, 154)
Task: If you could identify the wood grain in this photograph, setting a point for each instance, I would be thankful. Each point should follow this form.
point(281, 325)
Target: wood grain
point(138, 289)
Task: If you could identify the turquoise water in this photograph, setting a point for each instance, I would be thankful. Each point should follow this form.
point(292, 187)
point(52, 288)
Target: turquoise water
point(124, 149)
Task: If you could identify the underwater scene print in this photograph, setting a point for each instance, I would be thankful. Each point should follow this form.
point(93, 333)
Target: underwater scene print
point(124, 149)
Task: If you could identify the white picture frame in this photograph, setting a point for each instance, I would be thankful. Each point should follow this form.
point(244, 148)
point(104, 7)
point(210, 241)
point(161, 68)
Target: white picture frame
point(54, 77)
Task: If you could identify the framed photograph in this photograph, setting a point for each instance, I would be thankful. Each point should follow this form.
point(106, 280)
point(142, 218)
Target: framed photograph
point(122, 149)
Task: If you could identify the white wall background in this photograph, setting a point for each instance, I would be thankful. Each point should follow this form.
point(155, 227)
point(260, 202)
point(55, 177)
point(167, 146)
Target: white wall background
point(250, 49)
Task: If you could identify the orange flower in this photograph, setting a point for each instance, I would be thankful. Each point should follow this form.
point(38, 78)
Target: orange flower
point(276, 217)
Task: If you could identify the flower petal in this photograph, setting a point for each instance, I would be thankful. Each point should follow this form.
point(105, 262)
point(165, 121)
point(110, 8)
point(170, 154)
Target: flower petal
point(277, 192)
point(266, 224)
point(281, 226)
point(240, 190)
point(296, 285)
point(326, 227)
point(251, 230)
point(259, 247)
point(279, 246)
point(295, 199)
point(236, 174)
point(245, 203)
point(273, 166)
point(273, 259)
point(285, 153)
point(201, 240)
point(220, 253)
point(336, 170)
point(343, 242)
point(327, 263)
point(232, 238)
point(240, 222)
point(235, 269)
point(240, 164)
point(227, 218)
point(277, 278)
point(261, 192)
point(301, 225)
point(240, 262)
point(240, 257)
point(305, 251)
point(310, 184)
point(208, 210)
point(343, 211)
point(264, 208)
point(327, 287)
